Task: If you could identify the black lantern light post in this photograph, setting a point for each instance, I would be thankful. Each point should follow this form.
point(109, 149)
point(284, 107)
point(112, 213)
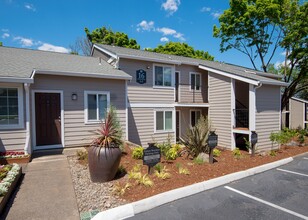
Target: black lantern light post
point(212, 143)
point(253, 140)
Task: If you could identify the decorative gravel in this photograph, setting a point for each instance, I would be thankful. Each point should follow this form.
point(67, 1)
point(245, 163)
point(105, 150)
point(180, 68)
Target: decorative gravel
point(91, 196)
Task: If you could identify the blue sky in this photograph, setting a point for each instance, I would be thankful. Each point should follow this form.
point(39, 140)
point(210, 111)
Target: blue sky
point(54, 25)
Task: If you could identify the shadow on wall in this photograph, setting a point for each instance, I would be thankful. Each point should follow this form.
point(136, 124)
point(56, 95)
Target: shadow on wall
point(133, 134)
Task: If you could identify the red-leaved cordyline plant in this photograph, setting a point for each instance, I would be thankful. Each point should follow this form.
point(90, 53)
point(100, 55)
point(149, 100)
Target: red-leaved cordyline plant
point(109, 135)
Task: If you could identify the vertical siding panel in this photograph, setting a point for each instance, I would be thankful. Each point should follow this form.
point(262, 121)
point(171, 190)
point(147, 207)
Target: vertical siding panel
point(220, 108)
point(267, 115)
point(297, 114)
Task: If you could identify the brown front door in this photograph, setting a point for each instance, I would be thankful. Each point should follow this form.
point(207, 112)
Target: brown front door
point(47, 118)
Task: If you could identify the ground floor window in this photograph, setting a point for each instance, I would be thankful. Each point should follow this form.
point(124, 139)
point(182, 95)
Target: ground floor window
point(163, 120)
point(194, 117)
point(96, 104)
point(10, 107)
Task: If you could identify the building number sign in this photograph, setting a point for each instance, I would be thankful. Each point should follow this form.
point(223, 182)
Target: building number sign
point(141, 76)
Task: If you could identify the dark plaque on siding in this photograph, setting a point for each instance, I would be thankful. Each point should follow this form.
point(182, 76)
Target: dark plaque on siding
point(254, 137)
point(141, 76)
point(151, 155)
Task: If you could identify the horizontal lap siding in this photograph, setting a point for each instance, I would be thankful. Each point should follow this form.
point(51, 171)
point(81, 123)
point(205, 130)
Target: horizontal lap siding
point(76, 132)
point(186, 95)
point(12, 140)
point(220, 108)
point(145, 93)
point(141, 127)
point(267, 115)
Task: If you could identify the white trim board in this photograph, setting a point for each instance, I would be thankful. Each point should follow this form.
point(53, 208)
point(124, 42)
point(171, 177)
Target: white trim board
point(34, 147)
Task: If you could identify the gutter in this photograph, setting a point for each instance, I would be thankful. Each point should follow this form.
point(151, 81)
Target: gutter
point(16, 80)
point(149, 59)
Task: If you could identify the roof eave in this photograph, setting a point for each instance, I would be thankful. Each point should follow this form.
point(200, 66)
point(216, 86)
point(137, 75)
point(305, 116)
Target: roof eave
point(283, 84)
point(16, 80)
point(149, 59)
point(81, 74)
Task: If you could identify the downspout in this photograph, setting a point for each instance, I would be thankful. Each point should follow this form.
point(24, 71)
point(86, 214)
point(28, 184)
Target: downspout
point(27, 148)
point(117, 63)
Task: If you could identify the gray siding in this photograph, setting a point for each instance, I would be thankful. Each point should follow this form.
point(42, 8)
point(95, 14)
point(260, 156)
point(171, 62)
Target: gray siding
point(14, 139)
point(144, 93)
point(141, 127)
point(76, 132)
point(98, 53)
point(220, 108)
point(267, 115)
point(187, 95)
point(296, 113)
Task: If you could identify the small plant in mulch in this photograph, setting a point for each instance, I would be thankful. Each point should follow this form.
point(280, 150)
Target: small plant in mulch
point(216, 152)
point(137, 152)
point(162, 173)
point(145, 180)
point(237, 153)
point(82, 155)
point(198, 160)
point(120, 190)
point(273, 153)
point(8, 175)
point(182, 170)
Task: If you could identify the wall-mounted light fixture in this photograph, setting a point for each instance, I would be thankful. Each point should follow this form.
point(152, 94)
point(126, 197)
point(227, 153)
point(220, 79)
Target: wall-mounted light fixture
point(74, 96)
point(148, 67)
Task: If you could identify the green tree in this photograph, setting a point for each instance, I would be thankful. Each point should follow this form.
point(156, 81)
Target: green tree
point(258, 28)
point(0, 44)
point(107, 36)
point(181, 49)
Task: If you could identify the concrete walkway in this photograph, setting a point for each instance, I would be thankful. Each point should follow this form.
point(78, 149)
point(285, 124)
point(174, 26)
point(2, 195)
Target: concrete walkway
point(46, 190)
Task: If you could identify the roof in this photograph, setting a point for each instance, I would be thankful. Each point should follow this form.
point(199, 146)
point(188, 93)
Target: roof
point(232, 70)
point(22, 63)
point(300, 100)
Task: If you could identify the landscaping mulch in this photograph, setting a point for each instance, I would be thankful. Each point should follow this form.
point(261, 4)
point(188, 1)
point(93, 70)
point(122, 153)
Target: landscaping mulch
point(100, 196)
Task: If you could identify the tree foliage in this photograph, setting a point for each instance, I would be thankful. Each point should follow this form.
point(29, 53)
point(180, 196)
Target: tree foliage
point(0, 44)
point(107, 36)
point(182, 49)
point(258, 28)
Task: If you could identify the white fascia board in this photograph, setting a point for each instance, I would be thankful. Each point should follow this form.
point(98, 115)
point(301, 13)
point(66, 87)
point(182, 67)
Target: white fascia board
point(300, 100)
point(150, 105)
point(191, 105)
point(76, 74)
point(149, 59)
point(104, 51)
point(240, 78)
point(16, 80)
point(284, 84)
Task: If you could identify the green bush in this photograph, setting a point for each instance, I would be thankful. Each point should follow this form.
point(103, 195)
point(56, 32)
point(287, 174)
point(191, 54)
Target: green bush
point(173, 152)
point(198, 161)
point(273, 153)
point(216, 153)
point(283, 136)
point(138, 153)
point(301, 136)
point(236, 153)
point(196, 138)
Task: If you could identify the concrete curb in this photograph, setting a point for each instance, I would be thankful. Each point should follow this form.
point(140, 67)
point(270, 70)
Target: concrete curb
point(129, 210)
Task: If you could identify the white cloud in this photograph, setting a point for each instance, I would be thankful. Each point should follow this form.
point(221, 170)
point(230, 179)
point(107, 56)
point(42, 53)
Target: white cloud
point(166, 31)
point(25, 42)
point(5, 30)
point(171, 6)
point(50, 47)
point(5, 35)
point(205, 9)
point(281, 64)
point(30, 7)
point(216, 14)
point(179, 36)
point(145, 26)
point(164, 39)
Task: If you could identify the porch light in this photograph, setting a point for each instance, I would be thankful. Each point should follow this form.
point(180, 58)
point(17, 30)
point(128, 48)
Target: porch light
point(74, 96)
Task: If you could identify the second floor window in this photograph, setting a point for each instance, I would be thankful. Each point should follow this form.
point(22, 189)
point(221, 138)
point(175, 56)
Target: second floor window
point(163, 76)
point(195, 81)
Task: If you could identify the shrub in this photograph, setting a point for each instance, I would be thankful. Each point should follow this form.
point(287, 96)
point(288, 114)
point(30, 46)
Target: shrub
point(120, 190)
point(216, 153)
point(158, 167)
point(198, 160)
point(301, 136)
point(173, 152)
point(138, 153)
point(196, 138)
point(283, 136)
point(163, 173)
point(82, 155)
point(183, 170)
point(145, 180)
point(273, 153)
point(236, 153)
point(135, 173)
point(247, 144)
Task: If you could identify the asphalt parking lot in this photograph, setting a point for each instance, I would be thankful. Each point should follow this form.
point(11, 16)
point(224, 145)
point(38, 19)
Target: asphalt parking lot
point(280, 193)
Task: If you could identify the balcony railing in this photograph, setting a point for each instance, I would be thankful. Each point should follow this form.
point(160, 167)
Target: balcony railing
point(192, 93)
point(241, 118)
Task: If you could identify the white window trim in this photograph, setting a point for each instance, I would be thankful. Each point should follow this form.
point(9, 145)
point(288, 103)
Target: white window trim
point(20, 124)
point(172, 87)
point(193, 110)
point(164, 111)
point(195, 73)
point(88, 92)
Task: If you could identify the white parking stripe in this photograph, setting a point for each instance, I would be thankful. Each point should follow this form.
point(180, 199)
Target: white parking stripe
point(305, 158)
point(289, 171)
point(268, 203)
